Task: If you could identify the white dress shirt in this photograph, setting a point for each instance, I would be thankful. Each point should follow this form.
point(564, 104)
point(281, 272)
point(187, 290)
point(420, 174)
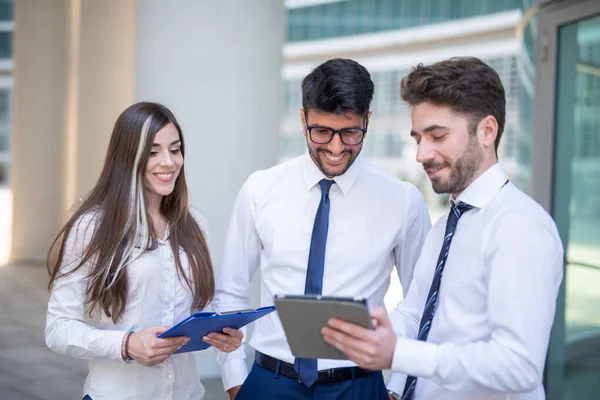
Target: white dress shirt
point(375, 222)
point(496, 304)
point(156, 297)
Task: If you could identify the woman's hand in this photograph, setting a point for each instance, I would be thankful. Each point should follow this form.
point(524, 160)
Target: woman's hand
point(228, 342)
point(147, 349)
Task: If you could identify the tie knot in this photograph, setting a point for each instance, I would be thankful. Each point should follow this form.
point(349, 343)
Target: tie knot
point(325, 186)
point(458, 210)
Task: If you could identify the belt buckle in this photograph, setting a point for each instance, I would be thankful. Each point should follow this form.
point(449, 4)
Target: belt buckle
point(330, 375)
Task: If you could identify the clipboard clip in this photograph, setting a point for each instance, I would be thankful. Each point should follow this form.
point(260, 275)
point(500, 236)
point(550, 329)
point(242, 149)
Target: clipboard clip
point(235, 312)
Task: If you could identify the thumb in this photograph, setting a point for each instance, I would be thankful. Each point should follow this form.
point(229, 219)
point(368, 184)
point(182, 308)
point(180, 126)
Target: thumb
point(160, 329)
point(380, 317)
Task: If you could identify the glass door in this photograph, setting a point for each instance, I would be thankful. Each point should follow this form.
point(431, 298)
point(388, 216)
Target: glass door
point(573, 369)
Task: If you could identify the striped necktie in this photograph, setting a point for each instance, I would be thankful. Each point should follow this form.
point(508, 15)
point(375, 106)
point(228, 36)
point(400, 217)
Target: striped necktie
point(430, 305)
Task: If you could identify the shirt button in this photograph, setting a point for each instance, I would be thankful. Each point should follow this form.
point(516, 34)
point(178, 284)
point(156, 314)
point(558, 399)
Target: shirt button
point(169, 376)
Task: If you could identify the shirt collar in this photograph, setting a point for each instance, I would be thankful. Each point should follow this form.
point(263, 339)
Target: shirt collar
point(483, 189)
point(313, 175)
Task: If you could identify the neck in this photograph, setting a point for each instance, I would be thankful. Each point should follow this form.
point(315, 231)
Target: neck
point(487, 163)
point(153, 202)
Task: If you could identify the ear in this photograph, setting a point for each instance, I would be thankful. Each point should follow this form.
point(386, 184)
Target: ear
point(487, 131)
point(369, 117)
point(303, 119)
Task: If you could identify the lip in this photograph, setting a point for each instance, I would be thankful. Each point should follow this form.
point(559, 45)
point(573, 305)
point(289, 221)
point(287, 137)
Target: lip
point(431, 172)
point(334, 160)
point(164, 177)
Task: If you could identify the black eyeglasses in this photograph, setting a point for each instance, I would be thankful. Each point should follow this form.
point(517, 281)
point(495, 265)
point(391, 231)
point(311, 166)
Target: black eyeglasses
point(348, 136)
point(324, 135)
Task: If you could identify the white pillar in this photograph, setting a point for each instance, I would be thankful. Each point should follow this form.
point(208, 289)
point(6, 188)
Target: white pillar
point(39, 98)
point(73, 75)
point(217, 66)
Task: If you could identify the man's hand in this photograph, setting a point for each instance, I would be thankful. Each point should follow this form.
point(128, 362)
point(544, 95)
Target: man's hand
point(370, 348)
point(233, 392)
point(229, 341)
point(147, 349)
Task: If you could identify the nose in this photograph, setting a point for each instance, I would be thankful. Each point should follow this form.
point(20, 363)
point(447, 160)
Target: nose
point(424, 152)
point(166, 159)
point(336, 146)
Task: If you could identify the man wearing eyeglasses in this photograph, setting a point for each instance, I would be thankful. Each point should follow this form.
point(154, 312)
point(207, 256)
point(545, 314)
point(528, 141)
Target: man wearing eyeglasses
point(327, 222)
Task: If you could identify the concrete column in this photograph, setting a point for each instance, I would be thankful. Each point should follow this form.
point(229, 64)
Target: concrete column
point(39, 107)
point(105, 82)
point(73, 75)
point(217, 66)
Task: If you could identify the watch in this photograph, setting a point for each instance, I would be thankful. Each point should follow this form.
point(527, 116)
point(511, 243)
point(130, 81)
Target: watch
point(394, 395)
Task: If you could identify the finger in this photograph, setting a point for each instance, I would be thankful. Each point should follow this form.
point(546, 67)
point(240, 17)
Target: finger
point(225, 338)
point(171, 342)
point(218, 343)
point(380, 315)
point(350, 329)
point(223, 345)
point(159, 329)
point(164, 353)
point(352, 354)
point(234, 332)
point(348, 342)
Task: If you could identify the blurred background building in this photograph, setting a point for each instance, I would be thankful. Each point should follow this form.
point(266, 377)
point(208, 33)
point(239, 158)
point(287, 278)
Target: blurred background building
point(231, 71)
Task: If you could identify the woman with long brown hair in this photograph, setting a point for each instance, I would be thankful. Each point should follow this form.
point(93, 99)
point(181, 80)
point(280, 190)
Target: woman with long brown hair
point(134, 256)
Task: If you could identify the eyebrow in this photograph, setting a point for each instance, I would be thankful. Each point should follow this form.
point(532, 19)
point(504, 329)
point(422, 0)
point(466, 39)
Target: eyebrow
point(430, 128)
point(172, 143)
point(347, 127)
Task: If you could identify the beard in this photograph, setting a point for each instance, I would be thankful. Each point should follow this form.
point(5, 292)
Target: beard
point(461, 173)
point(317, 153)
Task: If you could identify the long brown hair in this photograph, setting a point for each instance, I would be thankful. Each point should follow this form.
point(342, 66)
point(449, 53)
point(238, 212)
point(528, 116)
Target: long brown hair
point(123, 228)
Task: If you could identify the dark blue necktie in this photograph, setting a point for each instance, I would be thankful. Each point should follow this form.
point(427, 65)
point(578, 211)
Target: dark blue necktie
point(306, 368)
point(426, 319)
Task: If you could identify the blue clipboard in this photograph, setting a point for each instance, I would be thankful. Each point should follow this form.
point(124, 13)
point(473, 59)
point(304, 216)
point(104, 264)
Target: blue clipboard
point(200, 324)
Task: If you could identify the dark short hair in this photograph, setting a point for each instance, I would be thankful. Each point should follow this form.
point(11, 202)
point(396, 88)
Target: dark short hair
point(465, 84)
point(338, 86)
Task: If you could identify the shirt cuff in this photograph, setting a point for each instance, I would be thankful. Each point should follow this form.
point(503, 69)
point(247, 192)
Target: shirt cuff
point(415, 357)
point(396, 382)
point(114, 341)
point(233, 372)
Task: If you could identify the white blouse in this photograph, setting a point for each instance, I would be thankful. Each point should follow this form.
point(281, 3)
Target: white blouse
point(156, 297)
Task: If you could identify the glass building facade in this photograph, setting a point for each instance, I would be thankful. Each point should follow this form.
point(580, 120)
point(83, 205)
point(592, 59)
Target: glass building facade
point(6, 33)
point(356, 17)
point(388, 142)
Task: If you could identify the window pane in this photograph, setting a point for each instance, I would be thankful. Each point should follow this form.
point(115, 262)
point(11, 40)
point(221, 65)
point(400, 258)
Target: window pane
point(577, 189)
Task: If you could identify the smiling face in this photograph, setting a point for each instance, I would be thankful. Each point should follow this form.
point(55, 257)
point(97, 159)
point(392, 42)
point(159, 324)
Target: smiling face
point(333, 158)
point(451, 156)
point(164, 163)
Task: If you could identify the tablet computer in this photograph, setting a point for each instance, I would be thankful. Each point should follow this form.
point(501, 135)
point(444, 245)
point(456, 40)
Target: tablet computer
point(303, 317)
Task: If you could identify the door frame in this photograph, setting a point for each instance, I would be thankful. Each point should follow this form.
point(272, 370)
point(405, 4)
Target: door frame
point(552, 15)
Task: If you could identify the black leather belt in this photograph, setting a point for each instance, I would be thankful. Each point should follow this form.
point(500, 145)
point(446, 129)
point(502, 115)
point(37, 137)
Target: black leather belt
point(325, 376)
